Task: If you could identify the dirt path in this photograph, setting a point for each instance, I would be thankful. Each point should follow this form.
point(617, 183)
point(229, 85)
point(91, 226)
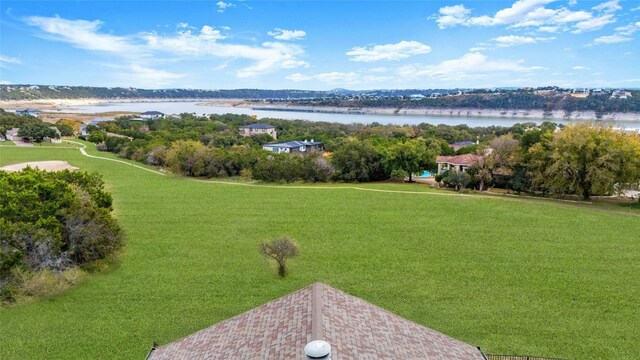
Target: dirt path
point(557, 202)
point(83, 152)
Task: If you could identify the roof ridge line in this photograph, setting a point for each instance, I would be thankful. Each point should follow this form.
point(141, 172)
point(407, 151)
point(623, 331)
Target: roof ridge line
point(316, 311)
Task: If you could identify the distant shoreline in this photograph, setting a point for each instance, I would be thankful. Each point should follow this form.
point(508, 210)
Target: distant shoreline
point(59, 105)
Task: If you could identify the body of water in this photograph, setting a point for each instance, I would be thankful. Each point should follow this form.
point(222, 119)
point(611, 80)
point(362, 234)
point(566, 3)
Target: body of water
point(170, 107)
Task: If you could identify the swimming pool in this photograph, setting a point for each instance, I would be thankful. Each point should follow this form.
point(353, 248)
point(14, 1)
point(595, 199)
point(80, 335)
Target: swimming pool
point(426, 174)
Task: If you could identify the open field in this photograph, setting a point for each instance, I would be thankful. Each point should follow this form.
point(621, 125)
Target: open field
point(512, 276)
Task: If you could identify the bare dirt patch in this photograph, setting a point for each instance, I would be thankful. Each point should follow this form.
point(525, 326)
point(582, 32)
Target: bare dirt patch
point(53, 165)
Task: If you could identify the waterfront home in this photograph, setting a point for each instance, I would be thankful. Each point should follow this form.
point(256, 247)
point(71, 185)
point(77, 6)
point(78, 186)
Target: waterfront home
point(151, 115)
point(317, 322)
point(294, 147)
point(580, 93)
point(28, 112)
point(258, 129)
point(458, 162)
point(416, 97)
point(620, 94)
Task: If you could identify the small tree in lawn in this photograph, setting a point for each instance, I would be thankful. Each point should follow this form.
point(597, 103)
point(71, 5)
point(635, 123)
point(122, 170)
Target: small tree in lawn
point(280, 250)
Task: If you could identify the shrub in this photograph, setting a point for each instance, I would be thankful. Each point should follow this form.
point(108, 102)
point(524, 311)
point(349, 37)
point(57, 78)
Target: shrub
point(51, 222)
point(280, 250)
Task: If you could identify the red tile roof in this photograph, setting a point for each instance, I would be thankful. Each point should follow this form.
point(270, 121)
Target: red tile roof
point(281, 328)
point(465, 159)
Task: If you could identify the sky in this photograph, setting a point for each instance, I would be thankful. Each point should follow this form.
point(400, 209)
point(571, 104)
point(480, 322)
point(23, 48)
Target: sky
point(321, 45)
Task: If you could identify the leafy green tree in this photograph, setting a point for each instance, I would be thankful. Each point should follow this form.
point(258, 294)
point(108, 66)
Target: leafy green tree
point(592, 160)
point(356, 160)
point(97, 137)
point(36, 132)
point(410, 157)
point(458, 179)
point(65, 129)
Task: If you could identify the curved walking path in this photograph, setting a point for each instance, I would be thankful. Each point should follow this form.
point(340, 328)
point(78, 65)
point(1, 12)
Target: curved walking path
point(84, 152)
point(562, 202)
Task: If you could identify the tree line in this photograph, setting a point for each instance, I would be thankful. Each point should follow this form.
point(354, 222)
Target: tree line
point(524, 157)
point(509, 100)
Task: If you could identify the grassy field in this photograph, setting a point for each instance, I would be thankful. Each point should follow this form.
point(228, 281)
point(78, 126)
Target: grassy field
point(512, 276)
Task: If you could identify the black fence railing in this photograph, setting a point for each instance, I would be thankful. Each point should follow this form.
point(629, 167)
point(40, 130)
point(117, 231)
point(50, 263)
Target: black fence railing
point(517, 357)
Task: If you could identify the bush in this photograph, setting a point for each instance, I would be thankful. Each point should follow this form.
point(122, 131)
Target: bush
point(97, 137)
point(51, 222)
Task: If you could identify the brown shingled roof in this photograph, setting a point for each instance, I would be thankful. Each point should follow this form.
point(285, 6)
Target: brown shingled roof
point(281, 328)
point(465, 159)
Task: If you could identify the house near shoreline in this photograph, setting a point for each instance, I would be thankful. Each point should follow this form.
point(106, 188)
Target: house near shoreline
point(258, 129)
point(295, 147)
point(94, 122)
point(580, 93)
point(458, 162)
point(317, 322)
point(620, 94)
point(151, 115)
point(28, 112)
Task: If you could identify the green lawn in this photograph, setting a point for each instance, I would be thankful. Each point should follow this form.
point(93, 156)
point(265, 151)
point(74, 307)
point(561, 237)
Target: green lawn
point(512, 276)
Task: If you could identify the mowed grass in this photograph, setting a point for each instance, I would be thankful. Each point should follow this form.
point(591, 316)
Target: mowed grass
point(511, 276)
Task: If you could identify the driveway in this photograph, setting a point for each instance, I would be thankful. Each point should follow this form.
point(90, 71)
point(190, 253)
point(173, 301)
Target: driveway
point(22, 143)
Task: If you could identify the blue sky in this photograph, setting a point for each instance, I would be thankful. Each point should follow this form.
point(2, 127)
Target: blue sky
point(321, 44)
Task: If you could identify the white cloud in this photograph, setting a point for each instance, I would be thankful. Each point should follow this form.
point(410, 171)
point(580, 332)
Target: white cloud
point(469, 66)
point(9, 60)
point(593, 24)
point(82, 34)
point(518, 11)
point(150, 47)
point(376, 78)
point(388, 52)
point(5, 82)
point(222, 6)
point(451, 16)
point(297, 77)
point(339, 78)
point(612, 39)
point(579, 67)
point(146, 76)
point(628, 29)
point(622, 34)
point(282, 34)
point(514, 40)
point(532, 14)
point(456, 72)
point(608, 7)
point(335, 77)
point(549, 29)
point(378, 70)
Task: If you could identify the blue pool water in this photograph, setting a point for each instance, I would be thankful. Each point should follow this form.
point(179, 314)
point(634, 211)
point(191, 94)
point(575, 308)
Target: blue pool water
point(426, 174)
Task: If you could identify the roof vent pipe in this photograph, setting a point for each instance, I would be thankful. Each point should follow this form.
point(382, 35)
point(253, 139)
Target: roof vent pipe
point(318, 349)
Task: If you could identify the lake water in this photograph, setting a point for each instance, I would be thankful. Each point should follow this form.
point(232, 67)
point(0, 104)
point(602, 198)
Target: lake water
point(170, 107)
